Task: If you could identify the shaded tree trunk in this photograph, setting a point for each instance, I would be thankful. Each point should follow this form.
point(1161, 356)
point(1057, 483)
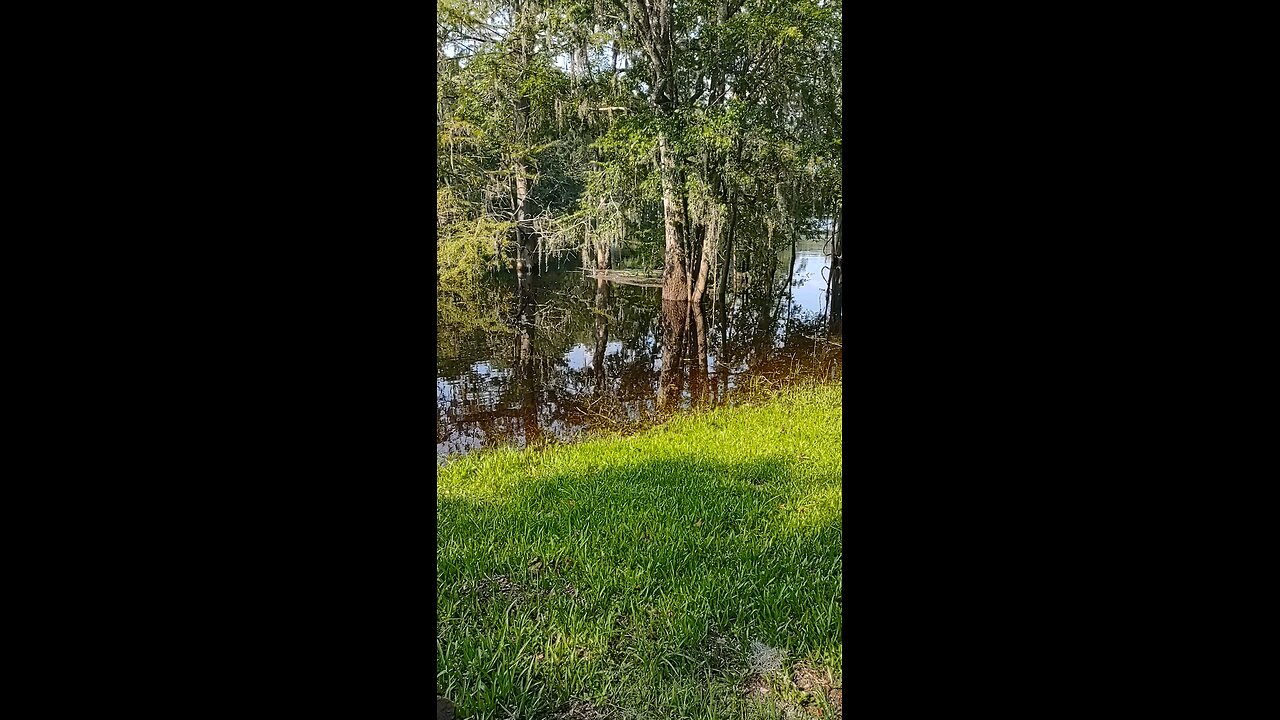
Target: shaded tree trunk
point(675, 272)
point(602, 255)
point(709, 243)
point(526, 253)
point(723, 282)
point(675, 317)
point(791, 274)
point(722, 363)
point(836, 295)
point(698, 388)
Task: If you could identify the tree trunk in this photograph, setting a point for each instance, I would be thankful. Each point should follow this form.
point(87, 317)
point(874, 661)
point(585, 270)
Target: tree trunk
point(675, 273)
point(580, 60)
point(690, 233)
point(602, 254)
point(791, 270)
point(772, 256)
point(718, 73)
point(651, 21)
point(836, 294)
point(524, 12)
point(704, 268)
point(722, 357)
point(837, 246)
point(723, 282)
point(710, 241)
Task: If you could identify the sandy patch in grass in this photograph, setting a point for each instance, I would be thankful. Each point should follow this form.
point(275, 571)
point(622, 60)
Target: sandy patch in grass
point(798, 694)
point(818, 684)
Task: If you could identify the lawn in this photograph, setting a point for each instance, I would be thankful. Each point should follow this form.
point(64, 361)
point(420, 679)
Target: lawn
point(690, 571)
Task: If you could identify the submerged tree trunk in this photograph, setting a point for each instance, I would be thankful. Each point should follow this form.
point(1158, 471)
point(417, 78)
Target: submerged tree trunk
point(601, 333)
point(790, 290)
point(722, 362)
point(698, 386)
point(525, 365)
point(772, 254)
point(675, 317)
point(837, 277)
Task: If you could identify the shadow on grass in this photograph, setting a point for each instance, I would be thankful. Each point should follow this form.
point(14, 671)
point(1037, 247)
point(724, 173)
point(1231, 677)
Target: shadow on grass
point(638, 586)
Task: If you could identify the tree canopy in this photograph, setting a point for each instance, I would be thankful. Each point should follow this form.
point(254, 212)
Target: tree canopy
point(697, 133)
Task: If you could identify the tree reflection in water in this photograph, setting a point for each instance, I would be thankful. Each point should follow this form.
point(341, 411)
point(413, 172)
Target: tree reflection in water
point(565, 353)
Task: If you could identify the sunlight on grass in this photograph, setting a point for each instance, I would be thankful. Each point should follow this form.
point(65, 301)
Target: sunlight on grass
point(634, 572)
point(814, 510)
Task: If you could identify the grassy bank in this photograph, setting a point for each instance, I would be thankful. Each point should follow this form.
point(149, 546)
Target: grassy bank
point(691, 571)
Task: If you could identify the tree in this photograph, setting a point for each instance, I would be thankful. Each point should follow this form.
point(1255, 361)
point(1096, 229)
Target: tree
point(705, 130)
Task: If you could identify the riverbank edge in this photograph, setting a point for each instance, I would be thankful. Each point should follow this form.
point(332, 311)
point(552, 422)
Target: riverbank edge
point(761, 392)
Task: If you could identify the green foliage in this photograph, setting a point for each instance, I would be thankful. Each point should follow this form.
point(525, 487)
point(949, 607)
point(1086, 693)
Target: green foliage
point(583, 138)
point(465, 240)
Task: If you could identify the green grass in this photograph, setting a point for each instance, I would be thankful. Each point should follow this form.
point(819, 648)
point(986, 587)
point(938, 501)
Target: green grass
point(634, 574)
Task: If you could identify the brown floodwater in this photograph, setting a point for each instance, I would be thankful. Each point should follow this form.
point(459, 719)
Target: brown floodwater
point(549, 357)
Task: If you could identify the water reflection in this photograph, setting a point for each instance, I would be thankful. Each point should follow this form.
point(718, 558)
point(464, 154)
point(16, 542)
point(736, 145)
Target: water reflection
point(602, 334)
point(527, 373)
point(522, 358)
